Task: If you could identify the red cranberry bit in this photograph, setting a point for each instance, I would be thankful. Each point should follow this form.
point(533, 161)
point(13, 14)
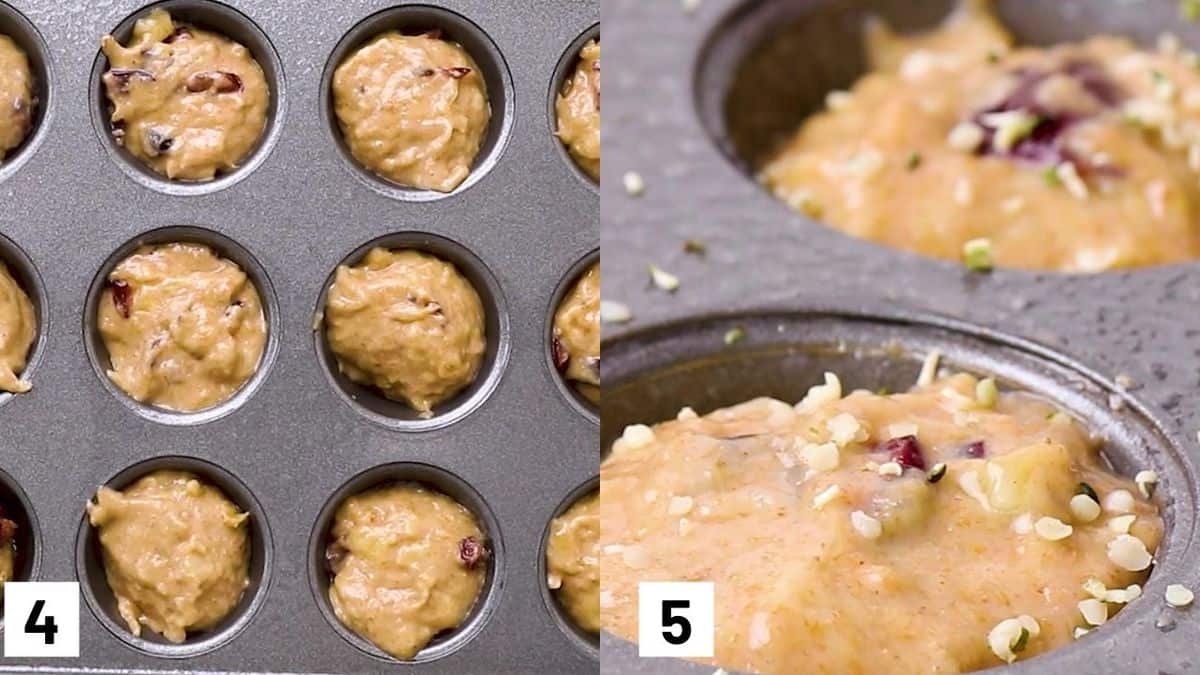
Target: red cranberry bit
point(432, 34)
point(975, 450)
point(471, 552)
point(180, 33)
point(221, 81)
point(904, 451)
point(560, 354)
point(120, 78)
point(122, 295)
point(335, 555)
point(457, 73)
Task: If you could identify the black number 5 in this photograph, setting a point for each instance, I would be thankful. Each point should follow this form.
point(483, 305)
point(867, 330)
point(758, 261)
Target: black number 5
point(48, 627)
point(669, 620)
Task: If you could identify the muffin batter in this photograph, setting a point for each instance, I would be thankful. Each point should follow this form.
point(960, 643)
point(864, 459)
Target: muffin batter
point(573, 561)
point(576, 342)
point(176, 552)
point(1081, 157)
point(408, 323)
point(933, 517)
point(578, 109)
point(16, 95)
point(186, 102)
point(8, 550)
point(18, 329)
point(184, 329)
point(407, 564)
point(413, 109)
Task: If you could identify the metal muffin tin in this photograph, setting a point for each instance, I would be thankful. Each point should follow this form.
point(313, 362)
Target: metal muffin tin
point(299, 438)
point(810, 298)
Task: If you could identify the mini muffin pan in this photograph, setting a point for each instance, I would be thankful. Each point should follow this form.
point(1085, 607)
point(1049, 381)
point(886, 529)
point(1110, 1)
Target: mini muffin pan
point(298, 438)
point(693, 107)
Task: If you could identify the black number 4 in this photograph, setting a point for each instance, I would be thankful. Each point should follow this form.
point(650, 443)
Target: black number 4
point(669, 620)
point(48, 627)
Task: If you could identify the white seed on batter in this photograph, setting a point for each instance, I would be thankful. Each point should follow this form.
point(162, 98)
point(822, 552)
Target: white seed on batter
point(821, 394)
point(679, 506)
point(964, 192)
point(821, 456)
point(838, 100)
point(1146, 482)
point(1011, 126)
point(1093, 611)
point(902, 429)
point(1023, 524)
point(929, 369)
point(686, 413)
point(1129, 553)
point(760, 630)
point(1119, 501)
point(553, 581)
point(1179, 595)
point(865, 525)
point(1011, 636)
point(1084, 508)
point(1069, 175)
point(1121, 524)
point(1121, 596)
point(966, 137)
point(1052, 529)
point(826, 496)
point(1095, 588)
point(637, 436)
point(844, 429)
point(891, 469)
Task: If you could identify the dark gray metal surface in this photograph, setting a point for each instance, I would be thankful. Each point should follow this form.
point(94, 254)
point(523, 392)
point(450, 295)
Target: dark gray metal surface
point(298, 208)
point(786, 277)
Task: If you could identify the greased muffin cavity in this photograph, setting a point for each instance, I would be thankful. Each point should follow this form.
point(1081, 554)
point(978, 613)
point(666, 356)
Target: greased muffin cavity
point(966, 526)
point(188, 103)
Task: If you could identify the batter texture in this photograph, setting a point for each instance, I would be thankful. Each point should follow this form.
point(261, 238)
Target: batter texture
point(1081, 157)
point(407, 323)
point(16, 95)
point(578, 109)
point(576, 341)
point(18, 329)
point(413, 109)
point(873, 533)
point(188, 103)
point(407, 564)
point(573, 561)
point(176, 552)
point(184, 328)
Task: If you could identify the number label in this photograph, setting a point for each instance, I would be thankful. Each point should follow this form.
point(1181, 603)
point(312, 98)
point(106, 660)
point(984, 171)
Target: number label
point(675, 619)
point(42, 618)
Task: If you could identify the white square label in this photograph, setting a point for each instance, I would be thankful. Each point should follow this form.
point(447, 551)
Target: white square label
point(675, 619)
point(41, 618)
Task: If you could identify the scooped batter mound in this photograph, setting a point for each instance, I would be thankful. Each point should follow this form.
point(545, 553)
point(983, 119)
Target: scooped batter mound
point(408, 323)
point(413, 109)
point(573, 561)
point(943, 530)
point(184, 329)
point(16, 95)
point(18, 329)
point(176, 552)
point(576, 341)
point(578, 109)
point(407, 563)
point(1081, 157)
point(186, 102)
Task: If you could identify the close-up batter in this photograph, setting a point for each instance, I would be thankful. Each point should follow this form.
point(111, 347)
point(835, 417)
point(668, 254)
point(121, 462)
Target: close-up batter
point(408, 563)
point(1079, 157)
point(573, 561)
point(413, 109)
point(407, 323)
point(18, 330)
point(575, 344)
point(188, 103)
point(176, 552)
point(578, 111)
point(16, 95)
point(947, 529)
point(184, 328)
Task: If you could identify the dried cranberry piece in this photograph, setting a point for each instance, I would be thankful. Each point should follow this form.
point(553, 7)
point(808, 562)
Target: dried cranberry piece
point(471, 552)
point(560, 354)
point(180, 33)
point(335, 554)
point(458, 72)
point(119, 78)
point(975, 450)
point(122, 295)
point(223, 82)
point(905, 451)
point(432, 34)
